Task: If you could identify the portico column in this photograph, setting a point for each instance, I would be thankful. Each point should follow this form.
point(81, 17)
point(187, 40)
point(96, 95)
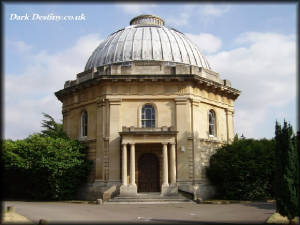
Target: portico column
point(132, 164)
point(124, 164)
point(165, 162)
point(172, 165)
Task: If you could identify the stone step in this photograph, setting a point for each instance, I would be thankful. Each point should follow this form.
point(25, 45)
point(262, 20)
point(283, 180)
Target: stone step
point(152, 202)
point(149, 198)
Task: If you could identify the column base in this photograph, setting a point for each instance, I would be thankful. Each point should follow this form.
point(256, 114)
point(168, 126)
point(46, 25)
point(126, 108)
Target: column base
point(128, 190)
point(167, 189)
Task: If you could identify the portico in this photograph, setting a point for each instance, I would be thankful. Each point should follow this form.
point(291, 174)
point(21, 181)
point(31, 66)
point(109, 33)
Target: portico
point(163, 137)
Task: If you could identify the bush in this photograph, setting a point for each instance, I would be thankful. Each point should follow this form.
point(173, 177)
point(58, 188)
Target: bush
point(44, 167)
point(243, 170)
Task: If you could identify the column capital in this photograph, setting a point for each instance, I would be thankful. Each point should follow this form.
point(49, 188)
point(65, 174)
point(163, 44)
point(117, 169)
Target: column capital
point(100, 102)
point(66, 112)
point(181, 100)
point(115, 101)
point(229, 111)
point(164, 143)
point(195, 102)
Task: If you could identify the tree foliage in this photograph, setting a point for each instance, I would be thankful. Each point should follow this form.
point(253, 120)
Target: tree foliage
point(243, 170)
point(44, 166)
point(51, 128)
point(287, 171)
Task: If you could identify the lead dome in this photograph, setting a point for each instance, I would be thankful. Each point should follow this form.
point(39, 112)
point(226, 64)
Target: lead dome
point(147, 39)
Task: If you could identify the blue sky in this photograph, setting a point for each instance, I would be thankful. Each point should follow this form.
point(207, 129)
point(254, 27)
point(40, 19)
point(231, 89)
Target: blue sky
point(252, 45)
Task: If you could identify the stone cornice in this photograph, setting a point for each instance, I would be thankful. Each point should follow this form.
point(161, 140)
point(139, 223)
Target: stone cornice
point(73, 86)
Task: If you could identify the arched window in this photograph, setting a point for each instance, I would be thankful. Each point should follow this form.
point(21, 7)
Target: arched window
point(84, 123)
point(148, 116)
point(212, 123)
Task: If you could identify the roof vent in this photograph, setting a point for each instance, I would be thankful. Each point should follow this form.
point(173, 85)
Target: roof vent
point(147, 20)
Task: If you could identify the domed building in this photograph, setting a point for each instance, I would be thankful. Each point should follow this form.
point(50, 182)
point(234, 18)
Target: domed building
point(151, 110)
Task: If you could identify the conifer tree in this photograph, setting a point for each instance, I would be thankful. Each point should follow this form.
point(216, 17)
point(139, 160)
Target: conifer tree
point(287, 173)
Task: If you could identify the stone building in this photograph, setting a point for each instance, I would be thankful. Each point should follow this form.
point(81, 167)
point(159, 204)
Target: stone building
point(151, 109)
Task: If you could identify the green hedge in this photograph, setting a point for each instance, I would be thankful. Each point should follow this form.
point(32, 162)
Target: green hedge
point(243, 170)
point(43, 167)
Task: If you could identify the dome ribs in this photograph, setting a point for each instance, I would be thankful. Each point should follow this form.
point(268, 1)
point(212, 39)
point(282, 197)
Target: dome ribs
point(171, 50)
point(102, 52)
point(114, 46)
point(109, 47)
point(151, 41)
point(133, 40)
point(113, 58)
point(187, 50)
point(147, 41)
point(127, 53)
point(178, 45)
point(196, 57)
point(161, 48)
point(120, 54)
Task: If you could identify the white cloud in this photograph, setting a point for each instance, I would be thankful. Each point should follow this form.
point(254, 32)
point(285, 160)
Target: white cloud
point(29, 94)
point(214, 10)
point(264, 69)
point(136, 8)
point(19, 46)
point(180, 20)
point(205, 14)
point(207, 43)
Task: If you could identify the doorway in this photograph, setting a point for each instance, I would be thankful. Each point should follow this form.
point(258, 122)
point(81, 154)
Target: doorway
point(148, 173)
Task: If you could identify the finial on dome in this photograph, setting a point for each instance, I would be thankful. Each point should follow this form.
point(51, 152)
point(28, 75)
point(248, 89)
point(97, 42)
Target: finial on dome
point(147, 20)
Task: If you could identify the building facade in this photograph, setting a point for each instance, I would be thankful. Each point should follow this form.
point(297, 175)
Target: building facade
point(151, 109)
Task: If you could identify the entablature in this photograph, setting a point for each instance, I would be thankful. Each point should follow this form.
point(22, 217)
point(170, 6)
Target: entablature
point(208, 84)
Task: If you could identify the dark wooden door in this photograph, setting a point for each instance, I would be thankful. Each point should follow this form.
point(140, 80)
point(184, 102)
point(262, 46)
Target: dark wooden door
point(148, 178)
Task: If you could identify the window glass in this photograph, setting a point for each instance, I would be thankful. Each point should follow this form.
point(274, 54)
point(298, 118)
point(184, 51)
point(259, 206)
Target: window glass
point(212, 123)
point(84, 124)
point(148, 116)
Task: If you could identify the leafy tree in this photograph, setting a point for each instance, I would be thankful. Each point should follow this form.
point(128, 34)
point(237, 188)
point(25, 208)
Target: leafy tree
point(287, 171)
point(52, 128)
point(44, 166)
point(243, 170)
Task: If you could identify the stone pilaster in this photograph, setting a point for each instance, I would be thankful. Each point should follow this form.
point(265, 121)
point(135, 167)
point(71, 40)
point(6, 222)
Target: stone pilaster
point(114, 139)
point(229, 125)
point(183, 126)
point(100, 103)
